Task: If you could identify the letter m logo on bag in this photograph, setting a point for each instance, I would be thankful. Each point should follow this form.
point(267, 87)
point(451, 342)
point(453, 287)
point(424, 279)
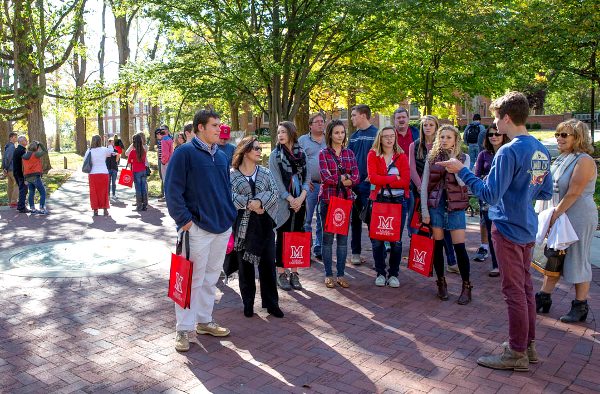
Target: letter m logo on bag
point(419, 256)
point(385, 223)
point(297, 252)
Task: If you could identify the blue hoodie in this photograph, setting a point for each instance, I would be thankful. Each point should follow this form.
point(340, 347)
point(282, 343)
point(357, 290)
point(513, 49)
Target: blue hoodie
point(360, 143)
point(197, 188)
point(520, 173)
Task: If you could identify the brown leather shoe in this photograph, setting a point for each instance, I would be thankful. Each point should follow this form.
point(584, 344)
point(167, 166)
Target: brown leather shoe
point(442, 288)
point(465, 295)
point(343, 282)
point(329, 283)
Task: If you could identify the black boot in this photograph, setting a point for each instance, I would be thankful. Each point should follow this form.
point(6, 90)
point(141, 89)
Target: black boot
point(579, 311)
point(442, 288)
point(144, 202)
point(543, 302)
point(465, 295)
point(138, 203)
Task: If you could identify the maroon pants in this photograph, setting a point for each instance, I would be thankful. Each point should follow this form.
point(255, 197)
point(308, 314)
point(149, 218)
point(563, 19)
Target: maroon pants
point(514, 261)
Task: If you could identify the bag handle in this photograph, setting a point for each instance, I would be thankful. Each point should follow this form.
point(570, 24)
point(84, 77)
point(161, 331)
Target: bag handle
point(183, 240)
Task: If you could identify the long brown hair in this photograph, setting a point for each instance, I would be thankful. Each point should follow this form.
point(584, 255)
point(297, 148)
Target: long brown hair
point(420, 150)
point(244, 146)
point(138, 145)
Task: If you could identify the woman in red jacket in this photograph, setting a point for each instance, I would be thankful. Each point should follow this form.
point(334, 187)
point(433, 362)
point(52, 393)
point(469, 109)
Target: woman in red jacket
point(387, 167)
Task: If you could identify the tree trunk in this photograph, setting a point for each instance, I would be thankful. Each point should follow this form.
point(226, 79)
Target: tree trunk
point(351, 103)
point(592, 112)
point(153, 121)
point(301, 118)
point(234, 111)
point(35, 129)
point(101, 53)
point(122, 36)
point(57, 130)
point(79, 71)
point(5, 129)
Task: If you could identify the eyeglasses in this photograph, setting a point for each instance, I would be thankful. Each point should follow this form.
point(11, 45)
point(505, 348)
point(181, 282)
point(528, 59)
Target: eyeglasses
point(494, 135)
point(257, 148)
point(388, 136)
point(562, 135)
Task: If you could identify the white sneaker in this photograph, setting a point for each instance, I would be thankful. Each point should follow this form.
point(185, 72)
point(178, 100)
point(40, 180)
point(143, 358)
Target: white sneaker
point(355, 259)
point(182, 343)
point(393, 282)
point(380, 281)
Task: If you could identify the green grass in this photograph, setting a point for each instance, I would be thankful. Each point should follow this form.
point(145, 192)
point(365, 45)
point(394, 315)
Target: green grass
point(74, 161)
point(543, 134)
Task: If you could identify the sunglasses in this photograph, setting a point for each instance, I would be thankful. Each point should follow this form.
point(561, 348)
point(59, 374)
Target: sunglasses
point(494, 135)
point(257, 148)
point(562, 135)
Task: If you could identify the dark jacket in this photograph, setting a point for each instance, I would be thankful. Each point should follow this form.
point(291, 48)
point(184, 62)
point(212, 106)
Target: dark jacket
point(197, 188)
point(18, 162)
point(7, 158)
point(457, 197)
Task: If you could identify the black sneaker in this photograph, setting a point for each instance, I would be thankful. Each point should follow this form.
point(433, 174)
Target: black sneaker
point(24, 210)
point(481, 255)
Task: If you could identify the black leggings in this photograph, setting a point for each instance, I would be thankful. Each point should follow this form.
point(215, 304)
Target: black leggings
point(462, 258)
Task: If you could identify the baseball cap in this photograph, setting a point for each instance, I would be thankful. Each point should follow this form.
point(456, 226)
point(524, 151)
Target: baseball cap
point(225, 132)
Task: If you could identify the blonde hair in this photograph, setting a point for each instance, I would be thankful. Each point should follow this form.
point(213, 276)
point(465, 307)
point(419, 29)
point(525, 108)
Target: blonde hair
point(420, 150)
point(436, 150)
point(580, 133)
point(378, 146)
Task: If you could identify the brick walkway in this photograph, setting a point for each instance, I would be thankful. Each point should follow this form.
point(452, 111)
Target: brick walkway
point(115, 333)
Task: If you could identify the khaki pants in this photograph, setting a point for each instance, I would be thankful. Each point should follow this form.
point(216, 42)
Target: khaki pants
point(13, 189)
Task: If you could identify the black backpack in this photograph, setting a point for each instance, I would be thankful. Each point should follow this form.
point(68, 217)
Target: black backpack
point(472, 133)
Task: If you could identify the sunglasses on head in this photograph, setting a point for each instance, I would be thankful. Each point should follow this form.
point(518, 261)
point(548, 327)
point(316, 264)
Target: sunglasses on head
point(562, 135)
point(496, 134)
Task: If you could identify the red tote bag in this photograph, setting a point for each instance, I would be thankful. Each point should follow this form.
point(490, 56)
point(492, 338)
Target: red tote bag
point(296, 248)
point(126, 177)
point(385, 221)
point(416, 221)
point(180, 279)
point(338, 216)
point(420, 256)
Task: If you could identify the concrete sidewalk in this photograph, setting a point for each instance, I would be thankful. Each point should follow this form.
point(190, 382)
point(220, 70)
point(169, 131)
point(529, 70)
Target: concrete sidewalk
point(115, 332)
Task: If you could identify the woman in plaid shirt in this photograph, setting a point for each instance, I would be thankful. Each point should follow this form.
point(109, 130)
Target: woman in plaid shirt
point(339, 172)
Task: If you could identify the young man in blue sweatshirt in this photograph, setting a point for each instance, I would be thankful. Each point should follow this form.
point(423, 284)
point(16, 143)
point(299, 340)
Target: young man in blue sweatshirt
point(198, 194)
point(360, 143)
point(520, 173)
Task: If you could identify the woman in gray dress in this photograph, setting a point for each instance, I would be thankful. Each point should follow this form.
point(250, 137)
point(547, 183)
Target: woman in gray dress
point(575, 188)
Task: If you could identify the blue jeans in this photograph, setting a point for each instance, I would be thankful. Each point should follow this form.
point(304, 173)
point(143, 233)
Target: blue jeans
point(362, 198)
point(379, 252)
point(327, 246)
point(112, 181)
point(473, 153)
point(312, 200)
point(411, 210)
point(39, 185)
point(141, 184)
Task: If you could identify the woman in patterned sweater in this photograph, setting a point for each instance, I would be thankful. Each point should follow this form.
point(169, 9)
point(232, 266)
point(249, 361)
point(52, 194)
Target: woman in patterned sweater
point(255, 197)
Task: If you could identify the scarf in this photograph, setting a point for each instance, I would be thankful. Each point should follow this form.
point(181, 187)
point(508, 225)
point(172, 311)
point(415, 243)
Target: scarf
point(257, 229)
point(293, 167)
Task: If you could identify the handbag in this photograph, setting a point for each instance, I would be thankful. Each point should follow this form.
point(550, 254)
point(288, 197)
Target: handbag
point(548, 261)
point(231, 264)
point(420, 256)
point(386, 218)
point(148, 171)
point(180, 278)
point(87, 163)
point(126, 177)
point(416, 219)
point(339, 210)
point(296, 248)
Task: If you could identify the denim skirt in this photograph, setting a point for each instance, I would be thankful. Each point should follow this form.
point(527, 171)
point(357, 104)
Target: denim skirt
point(440, 217)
